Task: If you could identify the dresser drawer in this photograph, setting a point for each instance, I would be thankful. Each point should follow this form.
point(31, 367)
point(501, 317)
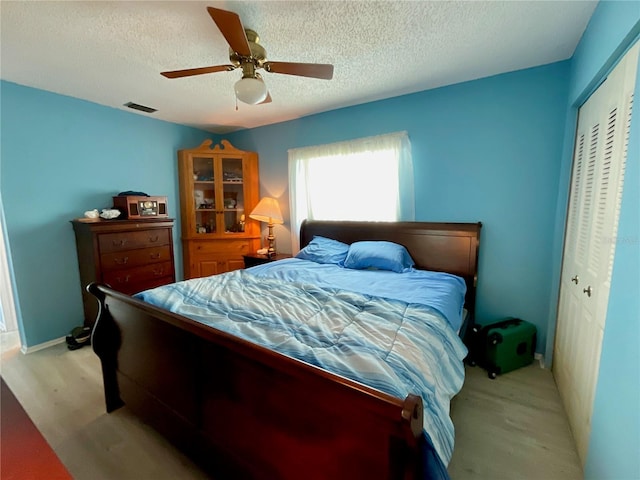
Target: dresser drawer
point(148, 284)
point(132, 280)
point(135, 258)
point(118, 242)
point(224, 248)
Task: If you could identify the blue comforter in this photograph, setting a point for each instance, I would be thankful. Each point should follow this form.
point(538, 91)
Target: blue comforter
point(441, 291)
point(396, 346)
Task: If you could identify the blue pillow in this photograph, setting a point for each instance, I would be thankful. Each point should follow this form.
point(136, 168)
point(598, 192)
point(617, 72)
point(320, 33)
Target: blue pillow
point(379, 255)
point(324, 250)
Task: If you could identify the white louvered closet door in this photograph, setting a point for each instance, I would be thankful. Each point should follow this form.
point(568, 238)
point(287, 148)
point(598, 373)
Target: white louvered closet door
point(596, 190)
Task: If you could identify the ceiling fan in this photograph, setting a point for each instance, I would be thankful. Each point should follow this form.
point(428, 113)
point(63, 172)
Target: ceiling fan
point(246, 52)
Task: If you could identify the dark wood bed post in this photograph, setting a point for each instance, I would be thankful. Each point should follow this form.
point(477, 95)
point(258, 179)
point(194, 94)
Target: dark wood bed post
point(412, 412)
point(105, 340)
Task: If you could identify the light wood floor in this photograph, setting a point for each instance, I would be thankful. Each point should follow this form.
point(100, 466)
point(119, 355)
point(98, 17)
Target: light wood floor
point(513, 427)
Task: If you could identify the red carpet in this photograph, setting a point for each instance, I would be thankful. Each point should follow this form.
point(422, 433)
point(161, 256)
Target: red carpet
point(24, 453)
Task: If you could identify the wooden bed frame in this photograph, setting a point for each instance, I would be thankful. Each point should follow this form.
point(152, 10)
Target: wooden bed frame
point(244, 411)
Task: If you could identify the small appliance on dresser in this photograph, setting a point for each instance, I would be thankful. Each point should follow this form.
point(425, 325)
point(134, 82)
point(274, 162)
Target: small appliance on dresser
point(140, 205)
point(129, 255)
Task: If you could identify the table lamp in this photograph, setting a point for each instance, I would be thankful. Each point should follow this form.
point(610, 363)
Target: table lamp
point(268, 211)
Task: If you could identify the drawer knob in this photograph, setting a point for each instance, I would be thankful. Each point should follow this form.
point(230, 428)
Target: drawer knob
point(119, 243)
point(154, 255)
point(121, 261)
point(158, 272)
point(154, 239)
point(124, 279)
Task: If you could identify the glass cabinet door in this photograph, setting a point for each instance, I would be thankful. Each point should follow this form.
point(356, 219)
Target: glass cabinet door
point(233, 195)
point(204, 195)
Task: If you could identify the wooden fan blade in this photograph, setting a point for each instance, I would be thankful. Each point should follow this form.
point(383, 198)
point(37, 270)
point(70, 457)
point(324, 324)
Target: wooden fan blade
point(231, 28)
point(197, 71)
point(315, 70)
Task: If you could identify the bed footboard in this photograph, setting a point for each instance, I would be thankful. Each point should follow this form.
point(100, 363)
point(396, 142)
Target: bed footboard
point(243, 411)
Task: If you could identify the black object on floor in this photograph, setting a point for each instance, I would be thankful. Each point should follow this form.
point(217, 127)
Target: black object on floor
point(78, 338)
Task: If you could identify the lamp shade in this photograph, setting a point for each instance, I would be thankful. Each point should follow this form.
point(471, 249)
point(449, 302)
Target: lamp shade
point(268, 211)
point(251, 90)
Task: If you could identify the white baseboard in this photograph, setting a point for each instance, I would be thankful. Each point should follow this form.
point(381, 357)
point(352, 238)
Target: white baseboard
point(540, 358)
point(42, 346)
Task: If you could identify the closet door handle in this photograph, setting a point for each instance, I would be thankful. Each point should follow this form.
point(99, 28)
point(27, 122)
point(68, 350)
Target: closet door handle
point(575, 279)
point(587, 291)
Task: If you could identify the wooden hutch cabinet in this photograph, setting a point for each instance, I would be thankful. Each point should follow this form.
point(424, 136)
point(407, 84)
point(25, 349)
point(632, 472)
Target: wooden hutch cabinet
point(218, 189)
point(128, 255)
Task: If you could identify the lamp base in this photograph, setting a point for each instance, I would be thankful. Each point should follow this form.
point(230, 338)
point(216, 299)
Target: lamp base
point(271, 251)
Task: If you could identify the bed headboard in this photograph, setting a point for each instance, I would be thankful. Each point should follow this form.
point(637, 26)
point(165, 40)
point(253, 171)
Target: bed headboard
point(442, 247)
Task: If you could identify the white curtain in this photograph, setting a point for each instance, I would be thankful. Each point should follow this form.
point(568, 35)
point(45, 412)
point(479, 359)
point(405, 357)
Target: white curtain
point(367, 179)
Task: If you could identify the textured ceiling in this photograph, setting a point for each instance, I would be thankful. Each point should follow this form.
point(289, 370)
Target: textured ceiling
point(111, 53)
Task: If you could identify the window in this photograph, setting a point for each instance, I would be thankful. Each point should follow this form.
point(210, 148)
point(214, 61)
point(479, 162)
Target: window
point(368, 179)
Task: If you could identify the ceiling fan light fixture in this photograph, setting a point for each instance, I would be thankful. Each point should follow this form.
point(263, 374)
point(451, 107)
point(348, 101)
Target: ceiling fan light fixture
point(246, 52)
point(251, 90)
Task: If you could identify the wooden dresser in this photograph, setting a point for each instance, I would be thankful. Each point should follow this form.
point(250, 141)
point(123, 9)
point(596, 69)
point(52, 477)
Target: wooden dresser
point(128, 255)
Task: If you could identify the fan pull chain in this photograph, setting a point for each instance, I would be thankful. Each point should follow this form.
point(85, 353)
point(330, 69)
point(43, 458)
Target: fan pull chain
point(236, 103)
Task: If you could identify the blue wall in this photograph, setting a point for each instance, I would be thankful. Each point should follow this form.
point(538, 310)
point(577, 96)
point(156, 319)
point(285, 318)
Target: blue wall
point(614, 449)
point(487, 150)
point(60, 157)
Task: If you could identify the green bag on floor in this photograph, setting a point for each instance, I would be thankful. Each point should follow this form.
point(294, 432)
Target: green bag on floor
point(502, 346)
